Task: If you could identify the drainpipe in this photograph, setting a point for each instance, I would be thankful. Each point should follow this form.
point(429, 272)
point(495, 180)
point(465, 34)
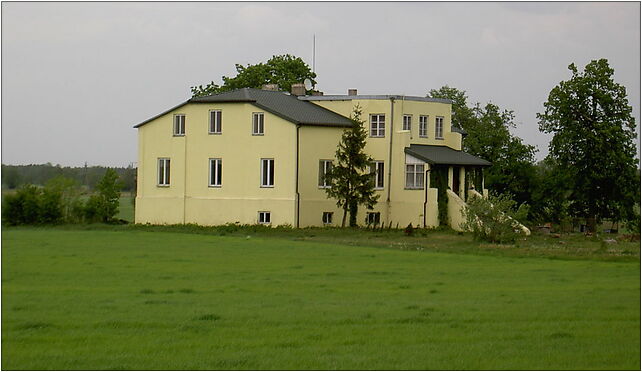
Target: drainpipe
point(296, 185)
point(426, 179)
point(391, 131)
point(184, 175)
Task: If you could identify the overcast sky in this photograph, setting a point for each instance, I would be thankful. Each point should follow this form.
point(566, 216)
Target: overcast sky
point(77, 76)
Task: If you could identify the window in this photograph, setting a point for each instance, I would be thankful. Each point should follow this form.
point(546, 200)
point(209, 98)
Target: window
point(327, 218)
point(179, 125)
point(414, 176)
point(216, 172)
point(163, 172)
point(324, 167)
point(373, 218)
point(267, 172)
point(265, 218)
point(439, 127)
point(378, 169)
point(423, 126)
point(407, 122)
point(216, 124)
point(377, 125)
point(257, 124)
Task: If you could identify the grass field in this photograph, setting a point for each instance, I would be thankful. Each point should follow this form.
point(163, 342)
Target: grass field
point(129, 299)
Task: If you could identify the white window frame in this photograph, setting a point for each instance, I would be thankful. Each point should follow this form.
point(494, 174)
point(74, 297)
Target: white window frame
point(179, 125)
point(269, 176)
point(377, 125)
point(164, 171)
point(265, 217)
point(327, 218)
point(407, 122)
point(258, 123)
point(439, 127)
point(417, 172)
point(423, 126)
point(215, 179)
point(324, 167)
point(216, 122)
point(379, 174)
point(371, 218)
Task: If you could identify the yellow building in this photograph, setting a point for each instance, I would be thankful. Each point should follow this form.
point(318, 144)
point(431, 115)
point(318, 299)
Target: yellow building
point(258, 156)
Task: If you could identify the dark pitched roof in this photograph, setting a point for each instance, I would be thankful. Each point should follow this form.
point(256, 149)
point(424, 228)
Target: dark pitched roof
point(444, 155)
point(281, 104)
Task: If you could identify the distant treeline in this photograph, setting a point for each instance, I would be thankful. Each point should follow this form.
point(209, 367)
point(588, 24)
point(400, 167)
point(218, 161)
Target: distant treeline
point(14, 176)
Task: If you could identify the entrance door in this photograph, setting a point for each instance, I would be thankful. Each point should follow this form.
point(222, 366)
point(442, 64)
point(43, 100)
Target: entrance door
point(456, 180)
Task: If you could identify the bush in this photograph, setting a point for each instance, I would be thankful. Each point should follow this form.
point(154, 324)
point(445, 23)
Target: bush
point(494, 219)
point(31, 205)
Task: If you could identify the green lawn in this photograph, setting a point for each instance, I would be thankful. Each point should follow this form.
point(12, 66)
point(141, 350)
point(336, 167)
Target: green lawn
point(130, 299)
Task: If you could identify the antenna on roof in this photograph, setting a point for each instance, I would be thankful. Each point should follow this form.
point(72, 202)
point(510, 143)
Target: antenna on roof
point(314, 51)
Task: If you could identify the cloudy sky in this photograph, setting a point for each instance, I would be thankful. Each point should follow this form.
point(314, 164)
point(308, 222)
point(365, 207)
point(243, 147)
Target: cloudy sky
point(77, 76)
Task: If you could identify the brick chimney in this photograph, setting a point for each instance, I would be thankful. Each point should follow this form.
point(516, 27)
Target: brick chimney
point(274, 87)
point(298, 89)
point(352, 92)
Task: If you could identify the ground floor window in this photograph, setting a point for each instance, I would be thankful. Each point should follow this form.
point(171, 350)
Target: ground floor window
point(327, 218)
point(265, 217)
point(414, 176)
point(216, 172)
point(373, 218)
point(163, 171)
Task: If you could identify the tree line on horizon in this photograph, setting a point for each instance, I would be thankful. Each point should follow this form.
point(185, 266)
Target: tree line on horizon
point(88, 177)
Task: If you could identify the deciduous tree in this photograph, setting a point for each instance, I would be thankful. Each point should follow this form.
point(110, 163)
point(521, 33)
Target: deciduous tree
point(593, 142)
point(283, 70)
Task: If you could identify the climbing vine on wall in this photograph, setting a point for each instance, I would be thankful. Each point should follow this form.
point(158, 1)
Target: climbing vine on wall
point(439, 180)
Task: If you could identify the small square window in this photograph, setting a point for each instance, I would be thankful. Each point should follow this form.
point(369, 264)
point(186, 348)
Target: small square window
point(179, 124)
point(265, 218)
point(373, 218)
point(327, 218)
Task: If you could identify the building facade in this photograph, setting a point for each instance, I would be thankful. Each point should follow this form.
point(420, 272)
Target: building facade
point(258, 156)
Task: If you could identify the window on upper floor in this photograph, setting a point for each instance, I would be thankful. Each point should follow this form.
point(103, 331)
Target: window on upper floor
point(407, 122)
point(377, 168)
point(179, 124)
point(163, 171)
point(327, 218)
point(267, 172)
point(216, 122)
point(423, 126)
point(377, 125)
point(439, 127)
point(414, 176)
point(258, 124)
point(324, 167)
point(265, 217)
point(216, 173)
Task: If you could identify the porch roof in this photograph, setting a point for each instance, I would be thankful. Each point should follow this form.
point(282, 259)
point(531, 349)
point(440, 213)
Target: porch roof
point(444, 155)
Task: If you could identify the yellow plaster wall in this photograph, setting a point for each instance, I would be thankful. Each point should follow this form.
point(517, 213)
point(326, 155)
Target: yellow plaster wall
point(240, 197)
